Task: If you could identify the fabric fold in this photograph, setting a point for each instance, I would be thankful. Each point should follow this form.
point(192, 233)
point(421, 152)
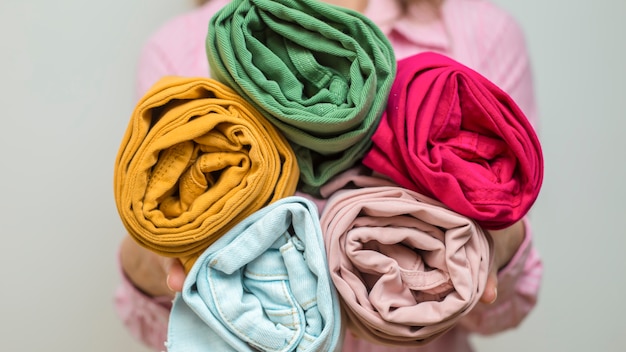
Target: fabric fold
point(263, 286)
point(405, 267)
point(320, 73)
point(451, 134)
point(195, 160)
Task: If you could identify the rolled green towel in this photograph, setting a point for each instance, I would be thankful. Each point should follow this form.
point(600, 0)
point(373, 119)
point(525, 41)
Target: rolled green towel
point(320, 73)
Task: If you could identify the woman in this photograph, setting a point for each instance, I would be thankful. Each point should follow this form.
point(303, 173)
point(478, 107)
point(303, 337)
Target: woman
point(473, 32)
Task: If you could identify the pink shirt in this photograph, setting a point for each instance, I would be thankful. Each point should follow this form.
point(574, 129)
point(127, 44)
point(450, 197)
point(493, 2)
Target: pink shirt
point(473, 32)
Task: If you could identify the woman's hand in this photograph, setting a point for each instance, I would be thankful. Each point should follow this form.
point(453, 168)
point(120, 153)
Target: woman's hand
point(506, 243)
point(153, 274)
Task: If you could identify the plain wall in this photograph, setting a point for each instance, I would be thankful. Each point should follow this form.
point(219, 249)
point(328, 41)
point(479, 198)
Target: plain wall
point(67, 90)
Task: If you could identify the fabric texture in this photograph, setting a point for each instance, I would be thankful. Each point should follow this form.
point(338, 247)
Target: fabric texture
point(195, 160)
point(406, 268)
point(263, 286)
point(453, 135)
point(320, 73)
point(476, 33)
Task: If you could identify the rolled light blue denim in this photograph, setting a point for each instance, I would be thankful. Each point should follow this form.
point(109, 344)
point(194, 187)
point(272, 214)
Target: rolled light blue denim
point(263, 286)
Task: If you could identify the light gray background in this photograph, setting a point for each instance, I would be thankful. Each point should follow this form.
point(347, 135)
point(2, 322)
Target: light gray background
point(66, 88)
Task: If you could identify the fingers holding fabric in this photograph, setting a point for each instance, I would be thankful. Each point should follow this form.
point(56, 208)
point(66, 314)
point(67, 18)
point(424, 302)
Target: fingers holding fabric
point(154, 275)
point(506, 243)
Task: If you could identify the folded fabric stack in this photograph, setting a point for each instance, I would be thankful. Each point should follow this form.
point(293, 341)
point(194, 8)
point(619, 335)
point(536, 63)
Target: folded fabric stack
point(195, 160)
point(453, 135)
point(320, 73)
point(405, 177)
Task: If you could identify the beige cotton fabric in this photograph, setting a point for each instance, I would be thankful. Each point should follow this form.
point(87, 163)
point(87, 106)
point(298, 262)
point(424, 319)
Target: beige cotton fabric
point(406, 268)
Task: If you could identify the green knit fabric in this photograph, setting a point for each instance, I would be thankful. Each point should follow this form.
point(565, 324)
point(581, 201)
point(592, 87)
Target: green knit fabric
point(321, 74)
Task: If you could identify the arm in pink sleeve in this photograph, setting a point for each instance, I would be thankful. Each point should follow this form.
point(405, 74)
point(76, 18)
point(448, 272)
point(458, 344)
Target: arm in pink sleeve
point(146, 318)
point(507, 64)
point(153, 65)
point(518, 286)
point(178, 48)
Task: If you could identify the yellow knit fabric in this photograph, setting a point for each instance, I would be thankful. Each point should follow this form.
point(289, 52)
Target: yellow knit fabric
point(195, 160)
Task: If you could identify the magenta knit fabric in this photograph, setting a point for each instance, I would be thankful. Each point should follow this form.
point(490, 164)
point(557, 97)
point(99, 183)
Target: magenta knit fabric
point(451, 134)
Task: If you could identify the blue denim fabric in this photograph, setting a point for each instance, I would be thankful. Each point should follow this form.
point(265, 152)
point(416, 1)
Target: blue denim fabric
point(263, 286)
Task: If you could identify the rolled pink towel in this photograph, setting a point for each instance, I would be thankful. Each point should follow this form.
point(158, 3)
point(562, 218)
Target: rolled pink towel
point(406, 268)
point(451, 134)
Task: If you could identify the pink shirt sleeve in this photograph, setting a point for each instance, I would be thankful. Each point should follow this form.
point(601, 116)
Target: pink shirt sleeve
point(507, 64)
point(177, 48)
point(145, 317)
point(518, 286)
point(153, 64)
